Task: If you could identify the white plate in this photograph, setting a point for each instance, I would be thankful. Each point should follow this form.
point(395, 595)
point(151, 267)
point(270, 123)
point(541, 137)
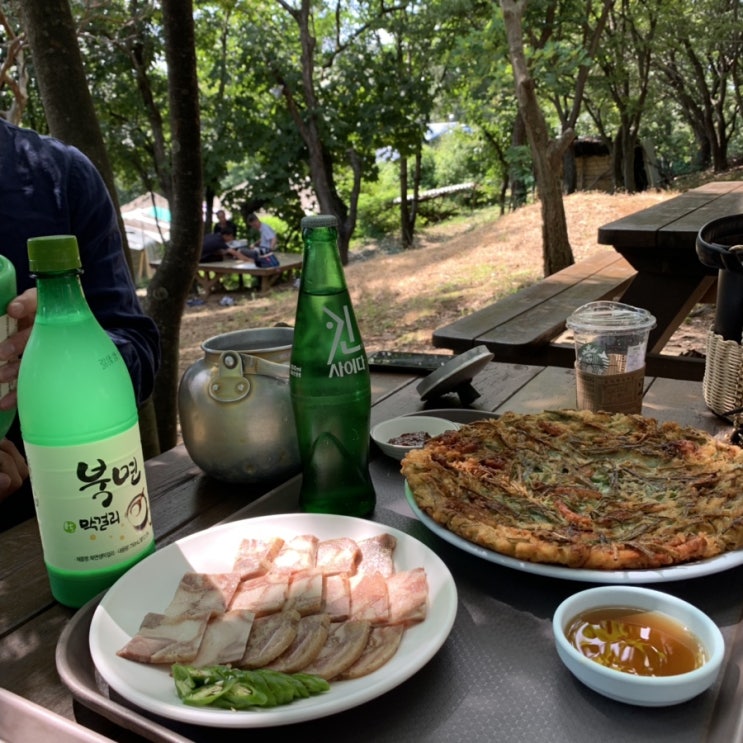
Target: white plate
point(677, 572)
point(150, 585)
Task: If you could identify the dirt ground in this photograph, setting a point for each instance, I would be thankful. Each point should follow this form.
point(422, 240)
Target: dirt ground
point(401, 297)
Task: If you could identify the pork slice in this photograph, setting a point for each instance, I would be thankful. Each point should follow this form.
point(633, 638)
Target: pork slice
point(166, 639)
point(263, 595)
point(337, 597)
point(408, 594)
point(312, 633)
point(377, 555)
point(269, 637)
point(203, 592)
point(255, 556)
point(382, 644)
point(225, 638)
point(306, 592)
point(299, 553)
point(369, 598)
point(340, 555)
point(346, 641)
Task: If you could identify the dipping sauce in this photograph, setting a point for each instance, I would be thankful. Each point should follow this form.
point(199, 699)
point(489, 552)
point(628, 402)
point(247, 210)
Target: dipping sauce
point(643, 643)
point(415, 438)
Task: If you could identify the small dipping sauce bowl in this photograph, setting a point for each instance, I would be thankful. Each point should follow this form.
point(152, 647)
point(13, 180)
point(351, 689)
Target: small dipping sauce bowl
point(632, 688)
point(408, 425)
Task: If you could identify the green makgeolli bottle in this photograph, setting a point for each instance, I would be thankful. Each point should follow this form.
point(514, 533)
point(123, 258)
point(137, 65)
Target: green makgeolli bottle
point(8, 326)
point(80, 428)
point(329, 382)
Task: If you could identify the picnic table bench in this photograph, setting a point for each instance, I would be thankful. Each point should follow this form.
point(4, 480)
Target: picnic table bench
point(210, 274)
point(523, 327)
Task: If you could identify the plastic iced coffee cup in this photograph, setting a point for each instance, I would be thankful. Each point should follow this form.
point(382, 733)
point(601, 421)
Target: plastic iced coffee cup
point(611, 341)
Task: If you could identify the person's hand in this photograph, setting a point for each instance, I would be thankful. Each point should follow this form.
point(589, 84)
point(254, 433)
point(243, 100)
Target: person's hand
point(22, 309)
point(13, 469)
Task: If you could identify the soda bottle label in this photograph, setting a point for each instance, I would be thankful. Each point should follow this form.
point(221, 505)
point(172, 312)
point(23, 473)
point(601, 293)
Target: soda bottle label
point(8, 326)
point(344, 339)
point(346, 355)
point(91, 501)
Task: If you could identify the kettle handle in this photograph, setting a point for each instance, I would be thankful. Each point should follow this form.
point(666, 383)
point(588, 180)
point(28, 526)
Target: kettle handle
point(264, 367)
point(230, 382)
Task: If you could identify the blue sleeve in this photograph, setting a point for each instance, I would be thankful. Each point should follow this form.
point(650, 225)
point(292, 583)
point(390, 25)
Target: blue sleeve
point(106, 279)
point(48, 188)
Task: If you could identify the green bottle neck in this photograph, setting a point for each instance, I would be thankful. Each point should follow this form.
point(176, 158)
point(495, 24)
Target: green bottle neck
point(322, 271)
point(60, 298)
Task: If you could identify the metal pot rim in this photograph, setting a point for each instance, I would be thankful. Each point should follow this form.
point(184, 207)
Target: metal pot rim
point(255, 340)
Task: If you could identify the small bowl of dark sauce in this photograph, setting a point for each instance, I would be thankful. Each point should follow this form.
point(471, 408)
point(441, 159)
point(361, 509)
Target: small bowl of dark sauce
point(397, 436)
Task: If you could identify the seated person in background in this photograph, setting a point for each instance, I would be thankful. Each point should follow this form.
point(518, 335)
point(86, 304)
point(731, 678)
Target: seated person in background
point(214, 247)
point(49, 188)
point(262, 250)
point(225, 226)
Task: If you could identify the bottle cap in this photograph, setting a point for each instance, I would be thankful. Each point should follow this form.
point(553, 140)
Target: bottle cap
point(53, 253)
point(319, 220)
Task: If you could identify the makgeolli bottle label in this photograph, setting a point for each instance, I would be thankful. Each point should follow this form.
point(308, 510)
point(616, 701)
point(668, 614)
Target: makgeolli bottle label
point(91, 501)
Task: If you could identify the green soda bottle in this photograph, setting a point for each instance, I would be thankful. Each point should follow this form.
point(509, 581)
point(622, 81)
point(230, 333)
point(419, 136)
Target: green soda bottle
point(329, 382)
point(8, 326)
point(80, 428)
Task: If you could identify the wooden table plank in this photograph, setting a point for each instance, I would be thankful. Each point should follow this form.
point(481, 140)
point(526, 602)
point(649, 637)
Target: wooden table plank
point(551, 389)
point(683, 402)
point(662, 238)
point(27, 660)
point(547, 320)
point(516, 326)
point(495, 383)
point(641, 228)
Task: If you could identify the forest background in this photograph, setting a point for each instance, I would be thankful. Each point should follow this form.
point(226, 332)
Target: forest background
point(297, 105)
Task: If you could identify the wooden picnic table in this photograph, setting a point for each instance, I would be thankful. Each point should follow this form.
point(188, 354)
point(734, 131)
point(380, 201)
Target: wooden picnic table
point(654, 265)
point(210, 274)
point(497, 676)
point(660, 243)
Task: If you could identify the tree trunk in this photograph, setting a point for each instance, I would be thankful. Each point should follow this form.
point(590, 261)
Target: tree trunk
point(547, 154)
point(68, 105)
point(409, 208)
point(71, 116)
point(169, 288)
point(518, 186)
point(405, 231)
point(628, 140)
point(308, 125)
point(570, 171)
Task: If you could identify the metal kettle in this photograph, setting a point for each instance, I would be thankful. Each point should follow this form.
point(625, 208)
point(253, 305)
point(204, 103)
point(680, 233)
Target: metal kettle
point(235, 408)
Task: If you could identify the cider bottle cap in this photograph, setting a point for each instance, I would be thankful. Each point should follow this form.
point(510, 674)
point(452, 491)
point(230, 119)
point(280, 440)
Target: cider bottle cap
point(319, 220)
point(53, 253)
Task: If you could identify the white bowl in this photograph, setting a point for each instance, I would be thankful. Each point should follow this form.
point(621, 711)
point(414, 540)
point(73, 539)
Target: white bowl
point(383, 432)
point(645, 691)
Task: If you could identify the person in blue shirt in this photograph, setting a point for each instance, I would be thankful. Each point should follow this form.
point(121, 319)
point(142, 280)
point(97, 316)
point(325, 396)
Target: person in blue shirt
point(214, 246)
point(260, 251)
point(49, 188)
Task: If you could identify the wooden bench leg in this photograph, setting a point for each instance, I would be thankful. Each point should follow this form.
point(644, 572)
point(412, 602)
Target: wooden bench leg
point(669, 299)
point(207, 281)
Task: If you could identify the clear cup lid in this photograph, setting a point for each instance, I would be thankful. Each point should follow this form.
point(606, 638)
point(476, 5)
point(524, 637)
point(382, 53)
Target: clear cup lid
point(608, 317)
